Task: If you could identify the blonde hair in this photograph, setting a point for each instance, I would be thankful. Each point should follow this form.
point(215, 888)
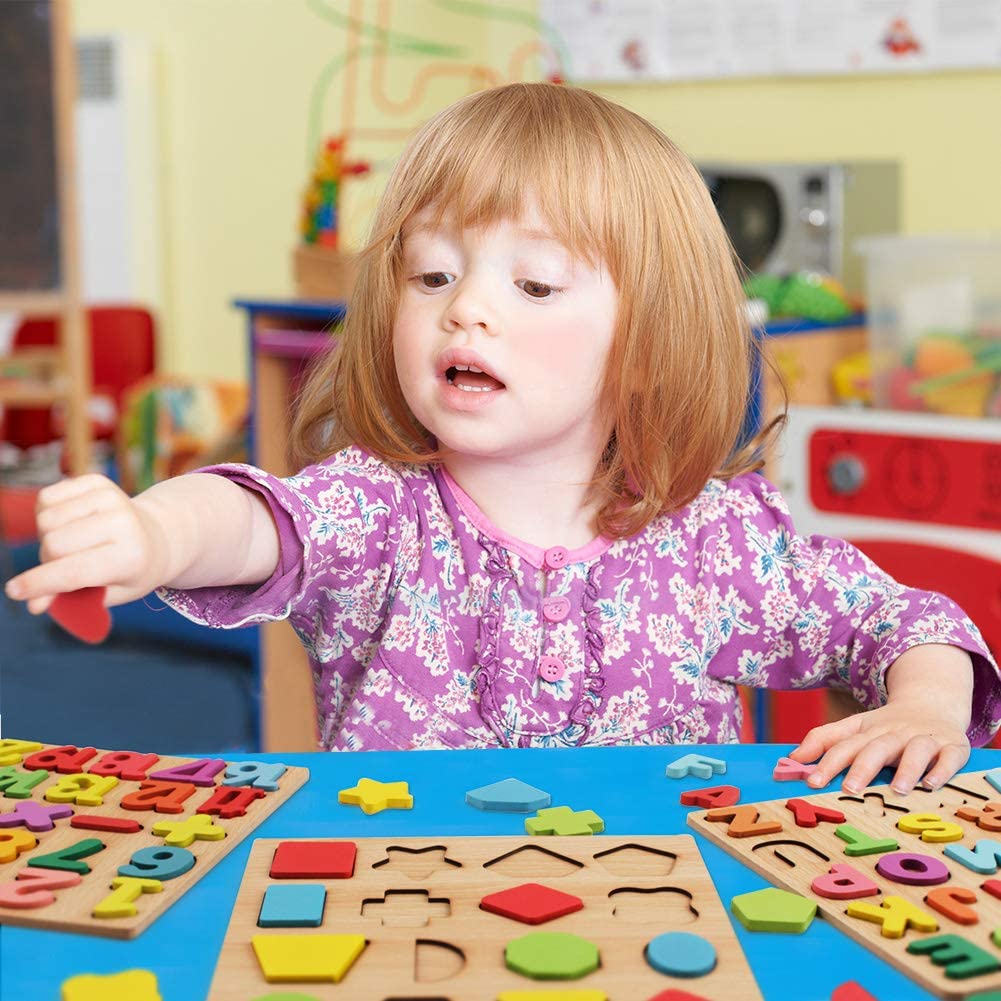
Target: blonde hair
point(612, 187)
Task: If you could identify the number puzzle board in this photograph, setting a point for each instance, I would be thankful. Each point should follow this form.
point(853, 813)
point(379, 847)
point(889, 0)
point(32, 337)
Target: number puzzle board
point(795, 856)
point(417, 903)
point(93, 800)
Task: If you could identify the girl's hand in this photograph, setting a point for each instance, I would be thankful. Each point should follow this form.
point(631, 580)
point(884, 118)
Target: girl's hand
point(92, 533)
point(916, 736)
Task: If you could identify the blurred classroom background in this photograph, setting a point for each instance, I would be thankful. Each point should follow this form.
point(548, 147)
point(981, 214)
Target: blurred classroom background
point(182, 185)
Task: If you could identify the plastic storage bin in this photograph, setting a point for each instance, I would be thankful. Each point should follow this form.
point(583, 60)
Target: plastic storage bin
point(934, 315)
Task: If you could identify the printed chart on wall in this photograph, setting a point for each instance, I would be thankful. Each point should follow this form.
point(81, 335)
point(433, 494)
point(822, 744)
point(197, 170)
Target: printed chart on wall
point(623, 40)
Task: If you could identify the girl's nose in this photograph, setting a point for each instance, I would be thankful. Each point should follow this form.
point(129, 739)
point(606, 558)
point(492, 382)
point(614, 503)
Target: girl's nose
point(469, 307)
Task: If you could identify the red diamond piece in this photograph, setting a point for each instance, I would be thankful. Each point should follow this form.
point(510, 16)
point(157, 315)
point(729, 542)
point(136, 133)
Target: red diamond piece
point(314, 860)
point(531, 903)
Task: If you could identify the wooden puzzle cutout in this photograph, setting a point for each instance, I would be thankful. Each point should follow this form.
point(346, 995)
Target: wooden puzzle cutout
point(907, 876)
point(472, 940)
point(90, 843)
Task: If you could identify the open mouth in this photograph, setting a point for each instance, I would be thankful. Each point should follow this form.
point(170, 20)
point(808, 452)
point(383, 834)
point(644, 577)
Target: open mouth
point(470, 379)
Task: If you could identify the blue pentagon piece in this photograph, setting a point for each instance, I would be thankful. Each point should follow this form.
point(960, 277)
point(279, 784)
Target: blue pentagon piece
point(774, 910)
point(509, 796)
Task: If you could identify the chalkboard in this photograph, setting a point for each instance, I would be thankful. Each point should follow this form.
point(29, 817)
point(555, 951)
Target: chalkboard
point(29, 201)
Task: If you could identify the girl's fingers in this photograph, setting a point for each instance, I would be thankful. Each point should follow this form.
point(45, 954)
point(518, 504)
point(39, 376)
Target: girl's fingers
point(914, 762)
point(821, 738)
point(89, 568)
point(77, 537)
point(951, 758)
point(55, 516)
point(64, 490)
point(870, 758)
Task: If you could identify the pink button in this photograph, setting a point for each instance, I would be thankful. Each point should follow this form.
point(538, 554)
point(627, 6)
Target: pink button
point(551, 669)
point(556, 558)
point(555, 609)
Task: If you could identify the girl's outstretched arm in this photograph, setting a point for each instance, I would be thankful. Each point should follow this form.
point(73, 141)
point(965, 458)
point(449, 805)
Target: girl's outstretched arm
point(191, 531)
point(921, 728)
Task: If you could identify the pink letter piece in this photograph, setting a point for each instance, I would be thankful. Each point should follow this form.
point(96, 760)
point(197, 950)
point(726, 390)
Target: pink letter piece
point(787, 770)
point(843, 883)
point(33, 888)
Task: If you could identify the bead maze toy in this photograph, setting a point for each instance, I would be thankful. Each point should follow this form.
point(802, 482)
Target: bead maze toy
point(102, 842)
point(909, 877)
point(480, 919)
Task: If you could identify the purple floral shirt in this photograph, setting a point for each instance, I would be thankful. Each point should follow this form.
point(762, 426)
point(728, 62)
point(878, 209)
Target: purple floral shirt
point(427, 627)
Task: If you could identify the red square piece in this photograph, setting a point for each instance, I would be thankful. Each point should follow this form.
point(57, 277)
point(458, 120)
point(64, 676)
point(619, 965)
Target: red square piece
point(532, 903)
point(314, 860)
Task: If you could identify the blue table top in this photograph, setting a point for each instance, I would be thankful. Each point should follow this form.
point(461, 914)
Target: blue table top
point(626, 786)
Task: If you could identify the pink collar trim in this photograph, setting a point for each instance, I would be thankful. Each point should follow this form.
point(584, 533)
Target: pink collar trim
point(534, 555)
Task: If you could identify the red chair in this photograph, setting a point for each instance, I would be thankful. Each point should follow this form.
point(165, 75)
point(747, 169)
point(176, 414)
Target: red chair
point(123, 351)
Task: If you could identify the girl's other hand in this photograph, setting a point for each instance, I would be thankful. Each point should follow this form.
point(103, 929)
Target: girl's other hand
point(921, 739)
point(91, 534)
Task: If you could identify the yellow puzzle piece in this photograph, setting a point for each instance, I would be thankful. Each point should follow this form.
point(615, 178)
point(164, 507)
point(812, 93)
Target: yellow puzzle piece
point(132, 985)
point(306, 958)
point(374, 796)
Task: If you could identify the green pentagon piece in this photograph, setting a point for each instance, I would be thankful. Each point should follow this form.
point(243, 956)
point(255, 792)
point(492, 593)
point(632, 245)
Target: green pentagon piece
point(551, 955)
point(774, 910)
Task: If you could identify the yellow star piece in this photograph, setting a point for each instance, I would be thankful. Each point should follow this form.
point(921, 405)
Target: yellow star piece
point(132, 985)
point(305, 959)
point(180, 833)
point(374, 796)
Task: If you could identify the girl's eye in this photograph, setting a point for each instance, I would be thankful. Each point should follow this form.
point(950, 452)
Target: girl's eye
point(434, 279)
point(539, 290)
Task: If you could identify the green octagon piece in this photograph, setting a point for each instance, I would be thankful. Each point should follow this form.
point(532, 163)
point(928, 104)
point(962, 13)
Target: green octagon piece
point(551, 955)
point(774, 910)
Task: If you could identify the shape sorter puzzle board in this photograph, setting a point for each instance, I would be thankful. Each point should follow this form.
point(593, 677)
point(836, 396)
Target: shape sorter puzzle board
point(408, 913)
point(103, 842)
point(916, 870)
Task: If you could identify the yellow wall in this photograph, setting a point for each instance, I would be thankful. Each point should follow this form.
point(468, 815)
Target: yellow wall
point(245, 83)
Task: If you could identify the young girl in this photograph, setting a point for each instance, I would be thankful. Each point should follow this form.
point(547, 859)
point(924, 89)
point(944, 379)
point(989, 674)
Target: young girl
point(526, 517)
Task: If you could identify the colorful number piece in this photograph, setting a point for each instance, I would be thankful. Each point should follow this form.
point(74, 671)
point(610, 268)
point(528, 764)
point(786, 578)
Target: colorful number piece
point(314, 860)
point(120, 903)
point(509, 796)
point(306, 958)
point(564, 822)
point(531, 903)
point(296, 905)
point(681, 954)
point(82, 614)
point(696, 764)
point(551, 955)
point(132, 985)
point(774, 910)
point(158, 863)
point(374, 797)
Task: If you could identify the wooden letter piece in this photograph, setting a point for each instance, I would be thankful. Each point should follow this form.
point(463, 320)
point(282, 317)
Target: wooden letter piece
point(711, 797)
point(951, 901)
point(743, 821)
point(960, 957)
point(230, 802)
point(163, 797)
point(895, 914)
point(33, 888)
point(987, 817)
point(65, 760)
point(844, 883)
point(931, 827)
point(807, 814)
point(129, 766)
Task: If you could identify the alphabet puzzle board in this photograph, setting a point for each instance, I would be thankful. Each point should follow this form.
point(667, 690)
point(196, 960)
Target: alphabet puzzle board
point(120, 834)
point(412, 906)
point(946, 842)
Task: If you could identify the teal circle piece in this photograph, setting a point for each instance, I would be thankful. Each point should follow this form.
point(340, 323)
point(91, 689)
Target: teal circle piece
point(681, 954)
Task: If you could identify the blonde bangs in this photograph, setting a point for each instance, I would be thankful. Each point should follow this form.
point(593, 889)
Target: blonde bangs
point(614, 190)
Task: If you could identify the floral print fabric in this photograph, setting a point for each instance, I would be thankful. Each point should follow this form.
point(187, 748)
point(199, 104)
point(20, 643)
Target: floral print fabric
point(425, 626)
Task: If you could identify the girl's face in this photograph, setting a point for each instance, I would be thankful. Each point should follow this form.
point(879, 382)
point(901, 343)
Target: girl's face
point(510, 301)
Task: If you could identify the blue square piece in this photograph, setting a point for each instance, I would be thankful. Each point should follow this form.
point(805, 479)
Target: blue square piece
point(296, 905)
point(509, 795)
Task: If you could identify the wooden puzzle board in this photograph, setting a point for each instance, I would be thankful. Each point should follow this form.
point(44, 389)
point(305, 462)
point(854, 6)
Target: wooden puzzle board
point(788, 860)
point(460, 956)
point(73, 905)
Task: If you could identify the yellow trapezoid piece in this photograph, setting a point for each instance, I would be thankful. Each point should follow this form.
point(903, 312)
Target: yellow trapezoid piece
point(306, 958)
